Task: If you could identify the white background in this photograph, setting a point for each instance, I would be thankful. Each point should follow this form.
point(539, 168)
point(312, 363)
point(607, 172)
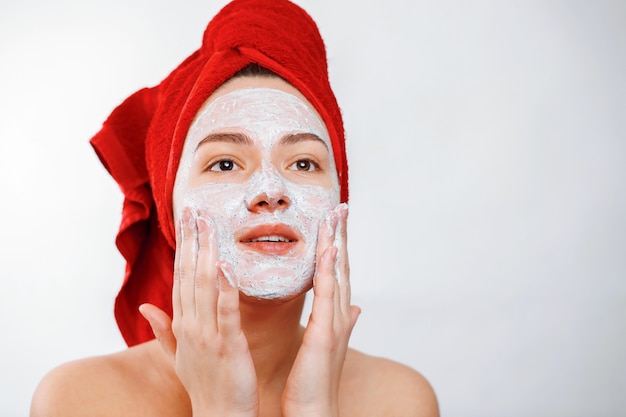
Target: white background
point(487, 143)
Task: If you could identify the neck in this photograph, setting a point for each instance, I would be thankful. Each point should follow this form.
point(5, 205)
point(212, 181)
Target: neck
point(274, 336)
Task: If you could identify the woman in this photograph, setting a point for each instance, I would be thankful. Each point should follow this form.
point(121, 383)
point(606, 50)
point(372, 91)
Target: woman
point(235, 182)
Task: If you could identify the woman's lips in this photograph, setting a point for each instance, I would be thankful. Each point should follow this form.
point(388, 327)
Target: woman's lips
point(270, 239)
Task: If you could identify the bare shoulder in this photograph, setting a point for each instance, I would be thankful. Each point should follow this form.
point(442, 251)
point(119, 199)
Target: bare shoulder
point(391, 388)
point(124, 383)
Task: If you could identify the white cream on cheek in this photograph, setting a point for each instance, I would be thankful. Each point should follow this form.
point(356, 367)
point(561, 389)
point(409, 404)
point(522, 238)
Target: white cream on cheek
point(264, 115)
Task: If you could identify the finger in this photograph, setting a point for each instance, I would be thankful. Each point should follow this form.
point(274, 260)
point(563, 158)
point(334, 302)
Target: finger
point(176, 304)
point(228, 315)
point(339, 313)
point(324, 288)
point(206, 272)
point(161, 325)
point(325, 237)
point(187, 267)
point(343, 264)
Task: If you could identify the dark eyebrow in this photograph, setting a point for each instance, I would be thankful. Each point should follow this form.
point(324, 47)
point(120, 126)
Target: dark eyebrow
point(299, 137)
point(238, 138)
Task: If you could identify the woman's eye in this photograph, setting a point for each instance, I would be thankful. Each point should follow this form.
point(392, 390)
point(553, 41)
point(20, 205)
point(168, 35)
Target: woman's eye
point(224, 165)
point(304, 165)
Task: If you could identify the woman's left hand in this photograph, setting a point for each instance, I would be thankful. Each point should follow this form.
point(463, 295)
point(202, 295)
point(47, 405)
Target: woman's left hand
point(312, 387)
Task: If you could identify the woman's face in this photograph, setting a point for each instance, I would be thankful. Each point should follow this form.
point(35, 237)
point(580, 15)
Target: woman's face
point(258, 163)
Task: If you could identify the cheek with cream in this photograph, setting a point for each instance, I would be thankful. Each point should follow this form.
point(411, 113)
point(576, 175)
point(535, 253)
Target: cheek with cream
point(264, 115)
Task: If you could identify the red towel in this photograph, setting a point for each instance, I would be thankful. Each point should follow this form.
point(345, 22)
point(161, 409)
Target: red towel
point(141, 142)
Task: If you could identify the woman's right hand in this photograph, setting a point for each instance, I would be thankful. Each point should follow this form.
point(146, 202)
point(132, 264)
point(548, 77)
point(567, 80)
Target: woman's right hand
point(208, 349)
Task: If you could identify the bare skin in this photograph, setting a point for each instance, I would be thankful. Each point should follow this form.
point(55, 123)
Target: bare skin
point(225, 354)
point(141, 382)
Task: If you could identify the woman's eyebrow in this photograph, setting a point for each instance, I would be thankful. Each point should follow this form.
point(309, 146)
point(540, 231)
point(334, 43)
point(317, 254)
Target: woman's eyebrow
point(299, 137)
point(238, 138)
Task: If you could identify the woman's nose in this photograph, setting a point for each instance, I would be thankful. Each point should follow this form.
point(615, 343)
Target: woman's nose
point(268, 193)
point(267, 203)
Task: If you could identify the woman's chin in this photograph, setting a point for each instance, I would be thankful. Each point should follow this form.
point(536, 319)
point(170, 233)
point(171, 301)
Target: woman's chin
point(275, 288)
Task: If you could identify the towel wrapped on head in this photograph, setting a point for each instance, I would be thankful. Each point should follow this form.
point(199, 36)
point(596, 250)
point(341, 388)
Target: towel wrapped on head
point(140, 144)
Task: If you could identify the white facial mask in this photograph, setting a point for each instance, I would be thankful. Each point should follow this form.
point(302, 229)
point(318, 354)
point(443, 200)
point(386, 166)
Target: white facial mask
point(265, 115)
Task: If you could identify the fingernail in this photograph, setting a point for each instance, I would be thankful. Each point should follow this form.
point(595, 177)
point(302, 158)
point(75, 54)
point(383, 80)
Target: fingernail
point(344, 210)
point(186, 215)
point(228, 273)
point(188, 220)
point(331, 222)
point(338, 234)
point(202, 226)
